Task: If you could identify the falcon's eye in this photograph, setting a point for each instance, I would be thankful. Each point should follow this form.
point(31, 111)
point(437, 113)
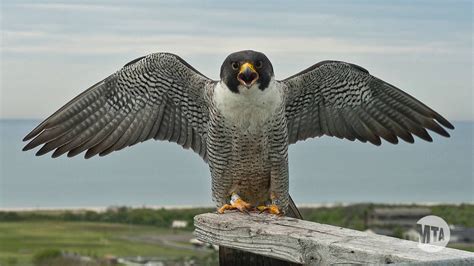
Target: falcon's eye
point(235, 65)
point(259, 64)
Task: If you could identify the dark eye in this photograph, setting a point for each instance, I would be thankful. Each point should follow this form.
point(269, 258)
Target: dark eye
point(235, 65)
point(259, 64)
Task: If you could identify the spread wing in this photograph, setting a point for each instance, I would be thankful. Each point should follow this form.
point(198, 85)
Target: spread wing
point(157, 96)
point(343, 100)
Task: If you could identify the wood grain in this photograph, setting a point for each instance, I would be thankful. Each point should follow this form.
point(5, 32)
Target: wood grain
point(310, 243)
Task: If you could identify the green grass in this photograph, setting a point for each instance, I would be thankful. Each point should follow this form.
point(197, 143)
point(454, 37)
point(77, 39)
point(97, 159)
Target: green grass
point(466, 247)
point(19, 241)
point(349, 217)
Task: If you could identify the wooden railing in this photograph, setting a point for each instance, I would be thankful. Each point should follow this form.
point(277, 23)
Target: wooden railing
point(289, 241)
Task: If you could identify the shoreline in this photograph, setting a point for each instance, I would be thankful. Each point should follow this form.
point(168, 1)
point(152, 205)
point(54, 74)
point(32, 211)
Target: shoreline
point(180, 207)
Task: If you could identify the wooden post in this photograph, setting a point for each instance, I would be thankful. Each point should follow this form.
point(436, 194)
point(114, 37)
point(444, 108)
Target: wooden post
point(294, 241)
point(231, 256)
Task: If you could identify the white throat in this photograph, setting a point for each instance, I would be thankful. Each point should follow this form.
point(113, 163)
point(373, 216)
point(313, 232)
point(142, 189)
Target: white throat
point(249, 109)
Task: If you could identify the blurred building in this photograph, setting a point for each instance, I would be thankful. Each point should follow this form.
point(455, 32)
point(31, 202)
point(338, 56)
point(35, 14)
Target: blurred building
point(461, 234)
point(401, 222)
point(404, 217)
point(179, 224)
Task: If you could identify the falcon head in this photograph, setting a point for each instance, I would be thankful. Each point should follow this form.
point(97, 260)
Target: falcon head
point(246, 70)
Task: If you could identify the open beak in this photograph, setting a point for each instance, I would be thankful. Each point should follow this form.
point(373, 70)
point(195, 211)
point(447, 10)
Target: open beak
point(247, 75)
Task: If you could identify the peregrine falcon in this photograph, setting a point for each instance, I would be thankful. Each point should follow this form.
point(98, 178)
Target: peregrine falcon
point(240, 125)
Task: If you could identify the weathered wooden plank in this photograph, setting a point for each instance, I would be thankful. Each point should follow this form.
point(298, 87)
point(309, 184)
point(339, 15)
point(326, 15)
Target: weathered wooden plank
point(311, 243)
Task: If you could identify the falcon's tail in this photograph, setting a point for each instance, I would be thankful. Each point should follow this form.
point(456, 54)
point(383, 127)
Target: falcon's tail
point(293, 210)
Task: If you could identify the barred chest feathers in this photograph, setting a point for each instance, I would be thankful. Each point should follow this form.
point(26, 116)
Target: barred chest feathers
point(249, 109)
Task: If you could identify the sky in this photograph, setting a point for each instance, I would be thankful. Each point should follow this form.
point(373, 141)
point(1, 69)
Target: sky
point(53, 50)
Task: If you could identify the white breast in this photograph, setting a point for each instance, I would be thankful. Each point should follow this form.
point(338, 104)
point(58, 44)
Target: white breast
point(249, 109)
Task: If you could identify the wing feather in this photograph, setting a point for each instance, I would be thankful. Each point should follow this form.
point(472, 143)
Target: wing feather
point(339, 99)
point(150, 114)
point(108, 124)
point(393, 121)
point(157, 96)
point(349, 132)
point(356, 125)
point(90, 126)
point(113, 140)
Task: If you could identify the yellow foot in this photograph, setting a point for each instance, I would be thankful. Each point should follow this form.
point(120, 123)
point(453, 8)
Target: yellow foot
point(236, 203)
point(272, 209)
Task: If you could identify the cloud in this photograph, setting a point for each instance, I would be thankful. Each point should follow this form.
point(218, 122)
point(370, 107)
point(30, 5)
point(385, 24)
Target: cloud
point(69, 6)
point(116, 44)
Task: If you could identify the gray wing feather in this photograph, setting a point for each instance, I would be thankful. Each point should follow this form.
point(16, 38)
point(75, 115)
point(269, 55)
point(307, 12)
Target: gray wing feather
point(157, 96)
point(343, 100)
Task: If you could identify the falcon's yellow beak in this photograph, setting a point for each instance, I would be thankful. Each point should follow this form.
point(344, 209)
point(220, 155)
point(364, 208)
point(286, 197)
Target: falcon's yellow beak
point(247, 75)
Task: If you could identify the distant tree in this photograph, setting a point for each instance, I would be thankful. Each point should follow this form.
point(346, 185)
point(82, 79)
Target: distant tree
point(69, 216)
point(9, 217)
point(91, 216)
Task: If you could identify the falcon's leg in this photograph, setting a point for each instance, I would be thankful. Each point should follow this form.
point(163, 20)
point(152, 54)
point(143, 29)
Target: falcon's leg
point(271, 208)
point(235, 203)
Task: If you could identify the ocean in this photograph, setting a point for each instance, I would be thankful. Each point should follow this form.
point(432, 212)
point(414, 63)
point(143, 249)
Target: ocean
point(322, 170)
